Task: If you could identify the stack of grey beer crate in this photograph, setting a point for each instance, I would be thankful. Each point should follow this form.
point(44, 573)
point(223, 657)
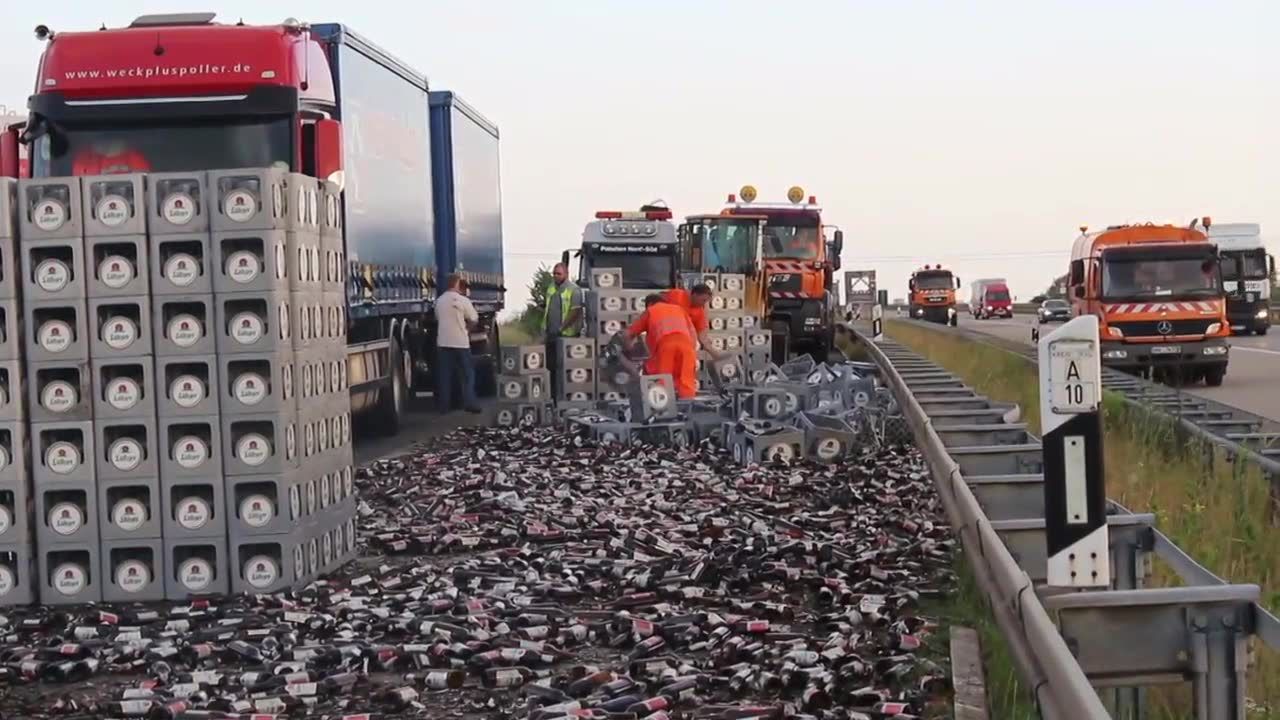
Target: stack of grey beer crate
point(524, 386)
point(183, 349)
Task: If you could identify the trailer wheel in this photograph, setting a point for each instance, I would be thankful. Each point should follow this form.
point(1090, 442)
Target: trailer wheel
point(1261, 331)
point(393, 400)
point(487, 364)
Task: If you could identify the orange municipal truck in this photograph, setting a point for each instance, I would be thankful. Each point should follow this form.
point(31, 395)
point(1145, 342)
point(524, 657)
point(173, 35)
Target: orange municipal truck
point(1157, 293)
point(933, 294)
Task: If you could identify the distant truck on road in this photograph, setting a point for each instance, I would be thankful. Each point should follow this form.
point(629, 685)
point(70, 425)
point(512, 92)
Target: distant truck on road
point(1157, 293)
point(990, 298)
point(415, 174)
point(933, 294)
point(1247, 270)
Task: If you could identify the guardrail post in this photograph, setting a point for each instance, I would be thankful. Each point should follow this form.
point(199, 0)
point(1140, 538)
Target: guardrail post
point(1075, 496)
point(1219, 659)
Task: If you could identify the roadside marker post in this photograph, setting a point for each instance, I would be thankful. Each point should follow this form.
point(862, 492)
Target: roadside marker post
point(877, 322)
point(1075, 495)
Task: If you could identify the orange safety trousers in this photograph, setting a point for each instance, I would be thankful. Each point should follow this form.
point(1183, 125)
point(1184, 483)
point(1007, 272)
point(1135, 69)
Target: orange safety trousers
point(677, 357)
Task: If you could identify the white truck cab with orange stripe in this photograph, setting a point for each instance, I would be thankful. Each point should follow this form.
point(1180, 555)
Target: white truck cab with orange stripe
point(1157, 293)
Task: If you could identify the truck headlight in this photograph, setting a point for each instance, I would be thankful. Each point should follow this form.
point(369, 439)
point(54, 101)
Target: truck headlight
point(989, 308)
point(1262, 315)
point(1213, 328)
point(1216, 350)
point(920, 312)
point(1115, 355)
point(1114, 331)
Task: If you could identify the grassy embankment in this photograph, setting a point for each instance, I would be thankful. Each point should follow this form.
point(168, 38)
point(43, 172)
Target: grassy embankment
point(1220, 513)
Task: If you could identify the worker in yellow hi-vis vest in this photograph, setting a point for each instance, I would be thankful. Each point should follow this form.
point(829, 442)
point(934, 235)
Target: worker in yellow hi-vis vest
point(562, 316)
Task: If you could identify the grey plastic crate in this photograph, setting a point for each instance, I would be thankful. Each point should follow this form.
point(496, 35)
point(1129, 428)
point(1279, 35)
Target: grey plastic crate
point(525, 388)
point(577, 352)
point(117, 266)
point(260, 444)
point(133, 570)
point(123, 388)
point(334, 257)
point(19, 578)
point(62, 452)
point(8, 208)
point(578, 376)
point(49, 208)
point(330, 219)
point(114, 204)
point(335, 330)
point(15, 453)
point(524, 359)
point(53, 269)
point(195, 567)
point(183, 325)
point(264, 504)
point(578, 394)
point(177, 202)
point(181, 264)
point(188, 386)
point(194, 508)
point(66, 513)
point(256, 383)
point(611, 325)
point(17, 507)
point(10, 267)
point(121, 327)
point(58, 331)
point(190, 447)
point(126, 448)
point(59, 391)
point(264, 199)
point(13, 390)
point(315, 379)
point(130, 508)
point(253, 261)
point(12, 335)
point(253, 323)
point(307, 321)
point(306, 264)
point(267, 563)
point(69, 574)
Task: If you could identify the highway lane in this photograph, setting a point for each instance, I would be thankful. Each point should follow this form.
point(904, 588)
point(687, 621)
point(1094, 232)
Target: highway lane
point(1253, 374)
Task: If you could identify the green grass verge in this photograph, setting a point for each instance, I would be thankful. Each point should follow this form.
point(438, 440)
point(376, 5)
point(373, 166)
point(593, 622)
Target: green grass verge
point(1219, 512)
point(513, 334)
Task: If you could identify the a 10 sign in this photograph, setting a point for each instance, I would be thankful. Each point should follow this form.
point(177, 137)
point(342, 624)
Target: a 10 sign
point(1073, 377)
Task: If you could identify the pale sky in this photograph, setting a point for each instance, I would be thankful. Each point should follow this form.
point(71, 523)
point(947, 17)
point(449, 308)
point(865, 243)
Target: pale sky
point(980, 135)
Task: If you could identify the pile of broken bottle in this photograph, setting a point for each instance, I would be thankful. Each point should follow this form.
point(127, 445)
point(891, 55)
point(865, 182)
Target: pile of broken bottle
point(534, 574)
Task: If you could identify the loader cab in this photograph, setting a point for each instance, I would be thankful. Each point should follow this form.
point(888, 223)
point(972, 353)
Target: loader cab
point(642, 244)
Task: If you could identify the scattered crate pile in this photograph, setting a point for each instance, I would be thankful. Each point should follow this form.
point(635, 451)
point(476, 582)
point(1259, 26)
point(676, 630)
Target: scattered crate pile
point(176, 419)
point(530, 573)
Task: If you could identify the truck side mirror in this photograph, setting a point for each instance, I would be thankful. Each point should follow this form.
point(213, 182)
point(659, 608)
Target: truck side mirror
point(564, 259)
point(329, 152)
point(838, 245)
point(9, 153)
point(957, 282)
point(1078, 291)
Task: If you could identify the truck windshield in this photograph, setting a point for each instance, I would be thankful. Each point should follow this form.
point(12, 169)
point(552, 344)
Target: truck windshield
point(640, 272)
point(1244, 265)
point(934, 282)
point(169, 146)
point(1148, 277)
point(997, 296)
point(798, 242)
point(730, 247)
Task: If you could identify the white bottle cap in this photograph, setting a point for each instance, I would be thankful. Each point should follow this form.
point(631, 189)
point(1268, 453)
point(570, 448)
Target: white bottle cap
point(187, 391)
point(119, 332)
point(181, 269)
point(69, 578)
point(116, 271)
point(52, 275)
point(185, 330)
point(66, 518)
point(261, 571)
point(123, 393)
point(133, 576)
point(129, 514)
point(59, 396)
point(62, 457)
point(190, 452)
point(195, 574)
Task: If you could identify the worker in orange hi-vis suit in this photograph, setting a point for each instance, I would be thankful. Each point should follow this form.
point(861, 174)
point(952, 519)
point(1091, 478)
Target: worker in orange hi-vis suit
point(669, 336)
point(109, 157)
point(694, 303)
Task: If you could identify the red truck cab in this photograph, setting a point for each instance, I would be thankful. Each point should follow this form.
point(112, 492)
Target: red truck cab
point(996, 301)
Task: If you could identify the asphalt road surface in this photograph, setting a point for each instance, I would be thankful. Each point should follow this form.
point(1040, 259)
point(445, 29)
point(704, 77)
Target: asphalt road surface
point(1253, 373)
point(422, 425)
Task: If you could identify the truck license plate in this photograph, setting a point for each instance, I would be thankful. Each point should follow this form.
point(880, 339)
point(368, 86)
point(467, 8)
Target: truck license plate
point(1166, 349)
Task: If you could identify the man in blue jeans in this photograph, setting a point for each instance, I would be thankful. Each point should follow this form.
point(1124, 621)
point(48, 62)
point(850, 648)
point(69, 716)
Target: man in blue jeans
point(455, 315)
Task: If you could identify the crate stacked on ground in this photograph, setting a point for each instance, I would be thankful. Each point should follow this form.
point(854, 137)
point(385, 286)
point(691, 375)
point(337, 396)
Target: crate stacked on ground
point(285, 425)
point(18, 577)
point(611, 309)
point(727, 320)
point(524, 387)
point(577, 369)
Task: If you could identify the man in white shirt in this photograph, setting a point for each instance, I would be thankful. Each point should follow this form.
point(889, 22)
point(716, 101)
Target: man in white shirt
point(455, 315)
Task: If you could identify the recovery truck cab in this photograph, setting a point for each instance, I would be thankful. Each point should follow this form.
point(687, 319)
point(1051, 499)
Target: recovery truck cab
point(990, 298)
point(799, 267)
point(1247, 270)
point(1157, 293)
point(642, 244)
point(182, 93)
point(726, 244)
point(932, 293)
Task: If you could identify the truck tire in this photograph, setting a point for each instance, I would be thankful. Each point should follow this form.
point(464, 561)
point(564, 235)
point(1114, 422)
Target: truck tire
point(1214, 375)
point(393, 399)
point(1262, 330)
point(487, 365)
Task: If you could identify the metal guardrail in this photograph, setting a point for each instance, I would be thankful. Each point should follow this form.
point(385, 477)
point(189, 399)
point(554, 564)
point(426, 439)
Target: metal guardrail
point(1082, 654)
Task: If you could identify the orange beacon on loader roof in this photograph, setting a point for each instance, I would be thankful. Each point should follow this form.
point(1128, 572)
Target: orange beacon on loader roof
point(1157, 293)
